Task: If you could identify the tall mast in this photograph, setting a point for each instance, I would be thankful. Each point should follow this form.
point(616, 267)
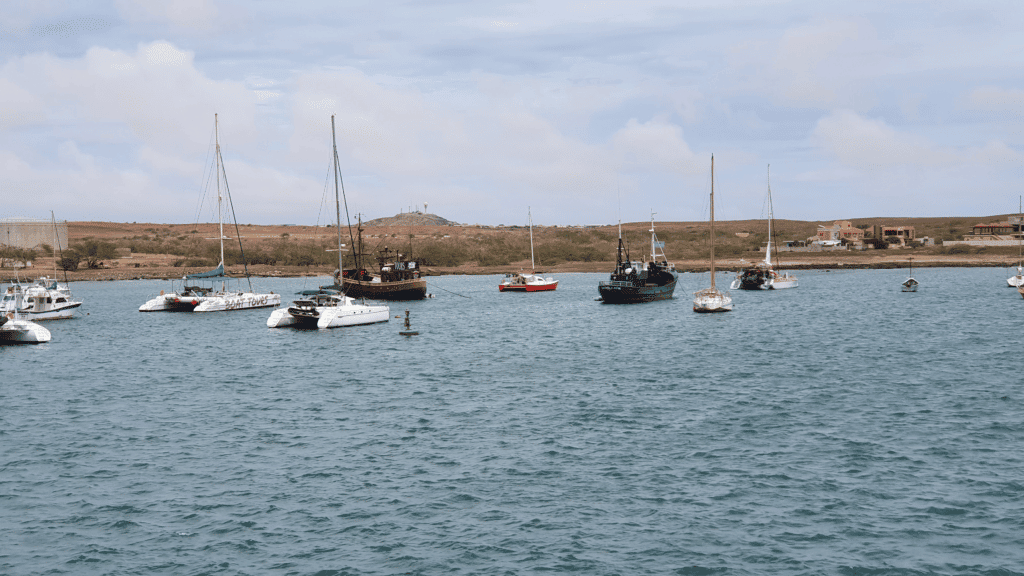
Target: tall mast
point(712, 221)
point(771, 216)
point(653, 258)
point(337, 203)
point(530, 215)
point(220, 218)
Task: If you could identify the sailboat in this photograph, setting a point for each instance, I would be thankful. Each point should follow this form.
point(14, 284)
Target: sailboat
point(762, 276)
point(329, 307)
point(711, 299)
point(632, 282)
point(202, 295)
point(910, 284)
point(1018, 280)
point(519, 282)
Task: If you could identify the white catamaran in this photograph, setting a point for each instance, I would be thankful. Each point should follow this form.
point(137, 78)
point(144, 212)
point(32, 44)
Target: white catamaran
point(202, 295)
point(329, 307)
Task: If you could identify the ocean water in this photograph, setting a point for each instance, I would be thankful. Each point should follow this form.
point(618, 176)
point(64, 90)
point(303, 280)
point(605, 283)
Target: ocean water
point(842, 427)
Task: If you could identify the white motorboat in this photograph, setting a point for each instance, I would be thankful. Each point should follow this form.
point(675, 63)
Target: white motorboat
point(711, 299)
point(206, 297)
point(533, 282)
point(329, 307)
point(15, 330)
point(763, 276)
point(48, 300)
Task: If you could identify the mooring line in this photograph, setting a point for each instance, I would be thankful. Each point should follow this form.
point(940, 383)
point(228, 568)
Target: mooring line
point(448, 291)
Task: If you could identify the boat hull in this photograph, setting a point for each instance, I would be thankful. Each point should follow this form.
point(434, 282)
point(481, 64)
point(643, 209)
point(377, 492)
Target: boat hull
point(23, 332)
point(1015, 281)
point(238, 301)
point(709, 301)
point(414, 289)
point(173, 303)
point(330, 317)
point(62, 313)
point(784, 282)
point(616, 292)
point(538, 287)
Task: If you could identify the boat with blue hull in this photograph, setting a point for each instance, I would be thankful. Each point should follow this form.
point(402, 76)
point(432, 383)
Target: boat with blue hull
point(634, 282)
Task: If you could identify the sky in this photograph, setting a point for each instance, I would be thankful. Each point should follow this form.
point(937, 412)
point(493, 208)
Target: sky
point(578, 112)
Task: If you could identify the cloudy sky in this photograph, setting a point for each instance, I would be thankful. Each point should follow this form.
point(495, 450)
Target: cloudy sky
point(581, 110)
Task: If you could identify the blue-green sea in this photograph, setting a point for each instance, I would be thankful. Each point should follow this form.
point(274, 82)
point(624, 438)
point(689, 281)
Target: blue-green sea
point(843, 427)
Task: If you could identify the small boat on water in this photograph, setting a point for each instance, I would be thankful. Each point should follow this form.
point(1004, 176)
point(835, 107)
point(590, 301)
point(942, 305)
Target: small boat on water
point(635, 281)
point(48, 300)
point(329, 307)
point(15, 330)
point(910, 284)
point(711, 299)
point(203, 295)
point(533, 282)
point(1017, 280)
point(763, 276)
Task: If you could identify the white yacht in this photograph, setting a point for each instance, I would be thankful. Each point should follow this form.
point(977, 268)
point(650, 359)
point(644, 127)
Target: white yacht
point(48, 300)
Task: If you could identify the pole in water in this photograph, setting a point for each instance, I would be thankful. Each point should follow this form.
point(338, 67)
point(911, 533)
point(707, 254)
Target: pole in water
point(408, 328)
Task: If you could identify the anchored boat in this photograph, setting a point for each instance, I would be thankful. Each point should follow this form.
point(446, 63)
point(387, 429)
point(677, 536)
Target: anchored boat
point(636, 281)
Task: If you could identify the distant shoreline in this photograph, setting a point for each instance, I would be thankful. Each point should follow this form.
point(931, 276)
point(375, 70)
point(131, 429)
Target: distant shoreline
point(855, 262)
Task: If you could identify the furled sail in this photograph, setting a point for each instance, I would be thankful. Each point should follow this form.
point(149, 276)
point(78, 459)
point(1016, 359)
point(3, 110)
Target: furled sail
point(215, 273)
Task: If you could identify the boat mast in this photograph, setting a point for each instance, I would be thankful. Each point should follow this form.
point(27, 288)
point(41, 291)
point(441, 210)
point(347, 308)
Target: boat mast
point(712, 221)
point(771, 216)
point(653, 257)
point(337, 203)
point(530, 216)
point(217, 161)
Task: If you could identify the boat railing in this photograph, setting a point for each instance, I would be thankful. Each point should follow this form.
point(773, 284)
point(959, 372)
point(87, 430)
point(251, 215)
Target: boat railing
point(616, 284)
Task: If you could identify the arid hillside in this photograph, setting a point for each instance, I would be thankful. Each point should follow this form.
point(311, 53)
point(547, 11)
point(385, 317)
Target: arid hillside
point(147, 250)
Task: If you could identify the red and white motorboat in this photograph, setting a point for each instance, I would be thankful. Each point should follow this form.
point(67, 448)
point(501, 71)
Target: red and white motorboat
point(520, 282)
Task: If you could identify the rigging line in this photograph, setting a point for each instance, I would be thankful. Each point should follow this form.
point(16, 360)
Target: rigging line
point(448, 291)
point(56, 237)
point(351, 239)
point(234, 218)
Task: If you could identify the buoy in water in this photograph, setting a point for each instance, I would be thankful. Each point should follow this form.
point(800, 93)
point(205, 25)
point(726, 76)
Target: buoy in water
point(408, 328)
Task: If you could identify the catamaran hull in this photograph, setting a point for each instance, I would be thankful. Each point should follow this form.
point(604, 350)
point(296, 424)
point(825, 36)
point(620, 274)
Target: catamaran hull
point(415, 289)
point(173, 303)
point(23, 332)
point(244, 301)
point(614, 292)
point(330, 317)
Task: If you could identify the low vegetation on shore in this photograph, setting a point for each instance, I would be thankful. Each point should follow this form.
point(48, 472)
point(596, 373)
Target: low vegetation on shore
point(310, 249)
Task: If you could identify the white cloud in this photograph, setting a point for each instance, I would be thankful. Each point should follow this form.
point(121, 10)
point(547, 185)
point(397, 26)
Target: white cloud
point(996, 99)
point(868, 144)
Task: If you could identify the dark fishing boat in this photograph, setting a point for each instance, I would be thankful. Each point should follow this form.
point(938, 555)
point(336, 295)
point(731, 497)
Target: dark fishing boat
point(634, 282)
point(398, 277)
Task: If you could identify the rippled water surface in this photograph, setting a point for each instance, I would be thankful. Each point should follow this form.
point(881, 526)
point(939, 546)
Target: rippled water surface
point(840, 428)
